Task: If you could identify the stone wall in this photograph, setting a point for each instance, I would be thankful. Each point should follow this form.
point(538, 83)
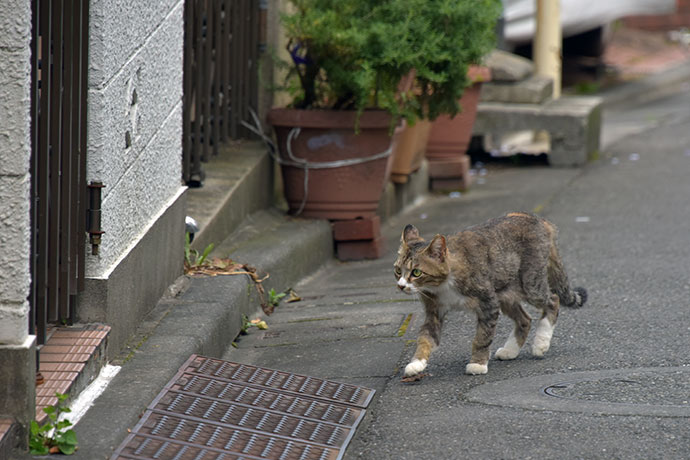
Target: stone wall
point(17, 350)
point(135, 150)
point(134, 120)
point(15, 149)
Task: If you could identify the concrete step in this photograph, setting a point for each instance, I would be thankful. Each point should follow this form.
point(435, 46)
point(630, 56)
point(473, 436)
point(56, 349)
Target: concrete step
point(7, 438)
point(237, 184)
point(202, 315)
point(70, 359)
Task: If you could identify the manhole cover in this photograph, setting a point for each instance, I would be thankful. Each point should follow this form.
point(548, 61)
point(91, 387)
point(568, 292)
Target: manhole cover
point(634, 388)
point(660, 392)
point(215, 409)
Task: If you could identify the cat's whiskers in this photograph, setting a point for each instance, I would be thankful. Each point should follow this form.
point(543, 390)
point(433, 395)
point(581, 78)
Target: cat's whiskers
point(420, 292)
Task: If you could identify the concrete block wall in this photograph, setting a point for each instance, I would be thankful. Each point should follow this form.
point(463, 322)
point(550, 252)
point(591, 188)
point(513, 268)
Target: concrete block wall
point(17, 350)
point(134, 118)
point(134, 147)
point(15, 183)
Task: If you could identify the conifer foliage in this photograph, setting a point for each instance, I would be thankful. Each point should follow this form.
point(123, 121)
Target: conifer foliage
point(352, 54)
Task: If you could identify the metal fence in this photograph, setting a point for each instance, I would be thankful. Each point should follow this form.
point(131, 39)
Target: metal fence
point(221, 49)
point(59, 48)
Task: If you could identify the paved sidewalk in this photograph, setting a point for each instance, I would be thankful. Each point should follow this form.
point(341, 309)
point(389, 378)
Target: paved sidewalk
point(624, 236)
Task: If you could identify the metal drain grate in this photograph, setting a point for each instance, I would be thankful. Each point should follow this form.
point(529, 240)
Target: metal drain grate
point(215, 409)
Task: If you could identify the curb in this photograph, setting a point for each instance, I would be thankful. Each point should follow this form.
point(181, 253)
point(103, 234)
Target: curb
point(203, 319)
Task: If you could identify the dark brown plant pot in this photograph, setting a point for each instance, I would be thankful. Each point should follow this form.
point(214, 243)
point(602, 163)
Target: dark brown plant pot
point(409, 145)
point(450, 137)
point(325, 136)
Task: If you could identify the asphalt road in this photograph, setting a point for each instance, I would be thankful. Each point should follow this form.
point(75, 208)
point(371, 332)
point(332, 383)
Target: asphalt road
point(618, 369)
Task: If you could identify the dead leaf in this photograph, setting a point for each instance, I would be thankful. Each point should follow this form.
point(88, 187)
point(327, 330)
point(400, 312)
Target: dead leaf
point(293, 297)
point(413, 378)
point(219, 266)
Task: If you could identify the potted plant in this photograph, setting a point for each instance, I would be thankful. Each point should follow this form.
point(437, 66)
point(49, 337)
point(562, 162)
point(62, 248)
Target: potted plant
point(449, 165)
point(348, 58)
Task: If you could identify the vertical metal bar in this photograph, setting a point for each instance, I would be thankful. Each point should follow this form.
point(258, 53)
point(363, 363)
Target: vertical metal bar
point(33, 168)
point(55, 146)
point(246, 43)
point(83, 93)
point(253, 75)
point(243, 73)
point(235, 68)
point(224, 62)
point(187, 79)
point(75, 151)
point(42, 167)
point(198, 76)
point(205, 83)
point(33, 165)
point(215, 86)
point(65, 165)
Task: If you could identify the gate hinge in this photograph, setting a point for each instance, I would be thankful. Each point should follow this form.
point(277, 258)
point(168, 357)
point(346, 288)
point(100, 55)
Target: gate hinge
point(93, 216)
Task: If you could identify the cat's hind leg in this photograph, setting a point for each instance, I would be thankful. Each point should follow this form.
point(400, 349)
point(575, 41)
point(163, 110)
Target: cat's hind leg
point(429, 338)
point(513, 310)
point(545, 327)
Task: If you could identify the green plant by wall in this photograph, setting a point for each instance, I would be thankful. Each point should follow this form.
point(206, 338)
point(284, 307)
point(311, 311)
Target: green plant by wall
point(54, 436)
point(192, 258)
point(274, 297)
point(352, 54)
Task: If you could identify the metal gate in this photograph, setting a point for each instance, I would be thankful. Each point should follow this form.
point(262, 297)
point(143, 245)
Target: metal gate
point(221, 50)
point(59, 50)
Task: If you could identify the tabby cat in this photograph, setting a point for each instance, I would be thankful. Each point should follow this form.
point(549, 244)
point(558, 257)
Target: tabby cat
point(486, 268)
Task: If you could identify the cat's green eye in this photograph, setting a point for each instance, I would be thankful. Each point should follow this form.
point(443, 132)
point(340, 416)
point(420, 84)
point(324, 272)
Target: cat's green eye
point(416, 272)
point(397, 271)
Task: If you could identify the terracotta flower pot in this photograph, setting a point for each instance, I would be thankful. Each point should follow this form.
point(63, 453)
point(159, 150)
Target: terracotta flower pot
point(409, 145)
point(450, 137)
point(308, 140)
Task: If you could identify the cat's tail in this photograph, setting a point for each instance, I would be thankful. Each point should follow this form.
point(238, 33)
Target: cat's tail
point(558, 279)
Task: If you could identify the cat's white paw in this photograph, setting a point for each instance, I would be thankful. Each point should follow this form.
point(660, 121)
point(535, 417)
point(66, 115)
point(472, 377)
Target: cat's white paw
point(415, 367)
point(542, 339)
point(510, 350)
point(539, 348)
point(507, 353)
point(476, 369)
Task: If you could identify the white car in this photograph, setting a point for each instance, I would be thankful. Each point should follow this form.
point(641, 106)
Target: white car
point(589, 18)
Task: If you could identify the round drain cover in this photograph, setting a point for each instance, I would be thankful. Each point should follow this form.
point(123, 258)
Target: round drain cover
point(662, 392)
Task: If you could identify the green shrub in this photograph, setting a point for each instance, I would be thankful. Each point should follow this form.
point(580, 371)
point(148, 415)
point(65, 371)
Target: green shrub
point(352, 54)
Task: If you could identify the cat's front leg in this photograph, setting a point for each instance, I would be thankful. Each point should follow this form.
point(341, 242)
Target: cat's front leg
point(487, 318)
point(428, 339)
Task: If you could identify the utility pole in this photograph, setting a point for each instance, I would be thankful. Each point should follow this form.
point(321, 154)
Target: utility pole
point(547, 46)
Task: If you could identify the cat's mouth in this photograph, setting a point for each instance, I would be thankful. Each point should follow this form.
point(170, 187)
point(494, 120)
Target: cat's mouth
point(407, 289)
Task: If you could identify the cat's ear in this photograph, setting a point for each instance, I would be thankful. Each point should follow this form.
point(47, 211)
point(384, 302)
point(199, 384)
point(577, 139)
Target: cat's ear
point(437, 248)
point(410, 234)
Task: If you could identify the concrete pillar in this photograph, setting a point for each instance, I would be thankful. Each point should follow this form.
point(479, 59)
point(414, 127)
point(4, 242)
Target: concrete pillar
point(548, 42)
point(17, 347)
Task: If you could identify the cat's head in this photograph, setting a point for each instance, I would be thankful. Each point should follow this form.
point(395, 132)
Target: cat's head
point(420, 264)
